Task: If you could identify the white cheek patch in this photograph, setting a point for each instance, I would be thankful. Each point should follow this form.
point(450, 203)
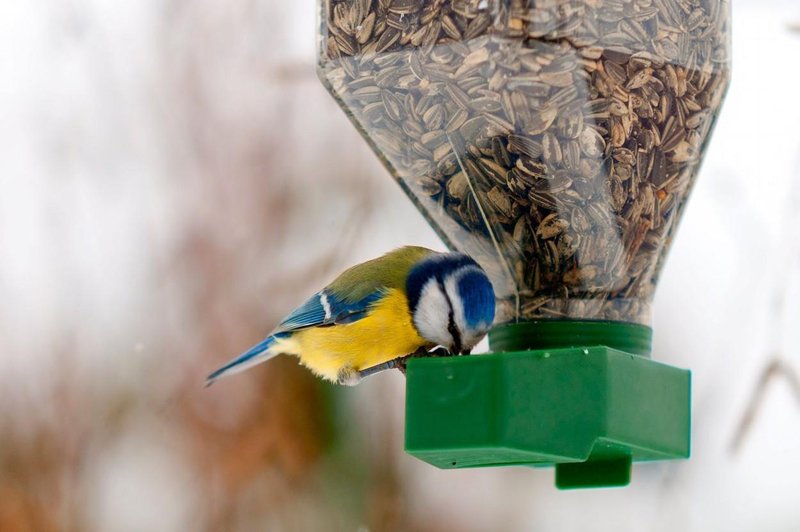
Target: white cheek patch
point(433, 314)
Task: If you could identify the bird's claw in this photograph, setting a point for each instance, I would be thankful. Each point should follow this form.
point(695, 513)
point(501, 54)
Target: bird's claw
point(402, 362)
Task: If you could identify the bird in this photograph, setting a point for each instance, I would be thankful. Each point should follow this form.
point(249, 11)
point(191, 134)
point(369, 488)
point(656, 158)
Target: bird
point(406, 302)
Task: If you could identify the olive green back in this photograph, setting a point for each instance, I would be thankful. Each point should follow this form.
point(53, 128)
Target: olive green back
point(388, 271)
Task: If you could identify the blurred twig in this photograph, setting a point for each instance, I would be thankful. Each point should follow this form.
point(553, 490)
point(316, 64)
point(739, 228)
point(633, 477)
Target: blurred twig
point(787, 266)
point(291, 73)
point(775, 371)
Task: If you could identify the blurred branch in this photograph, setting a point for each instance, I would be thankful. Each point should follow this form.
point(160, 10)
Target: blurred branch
point(290, 73)
point(775, 371)
point(787, 266)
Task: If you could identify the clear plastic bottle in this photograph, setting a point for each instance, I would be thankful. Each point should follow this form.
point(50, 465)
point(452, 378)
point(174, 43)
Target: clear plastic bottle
point(556, 141)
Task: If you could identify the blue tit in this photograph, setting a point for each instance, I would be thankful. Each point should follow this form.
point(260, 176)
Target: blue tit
point(375, 313)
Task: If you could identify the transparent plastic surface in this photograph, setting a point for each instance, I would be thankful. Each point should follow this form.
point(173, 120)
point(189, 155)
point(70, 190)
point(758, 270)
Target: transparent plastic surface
point(554, 141)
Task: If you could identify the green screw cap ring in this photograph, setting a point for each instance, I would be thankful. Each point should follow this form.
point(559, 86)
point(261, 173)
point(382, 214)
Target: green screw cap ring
point(556, 334)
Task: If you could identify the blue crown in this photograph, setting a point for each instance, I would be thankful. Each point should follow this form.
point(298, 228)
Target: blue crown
point(477, 294)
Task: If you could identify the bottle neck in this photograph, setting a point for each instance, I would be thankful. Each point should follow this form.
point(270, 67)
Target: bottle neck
point(554, 334)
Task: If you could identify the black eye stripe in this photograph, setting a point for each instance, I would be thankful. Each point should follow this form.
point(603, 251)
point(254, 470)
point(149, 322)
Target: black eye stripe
point(451, 324)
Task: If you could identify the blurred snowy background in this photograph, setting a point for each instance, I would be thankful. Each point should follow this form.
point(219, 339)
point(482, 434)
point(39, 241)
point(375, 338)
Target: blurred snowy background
point(174, 179)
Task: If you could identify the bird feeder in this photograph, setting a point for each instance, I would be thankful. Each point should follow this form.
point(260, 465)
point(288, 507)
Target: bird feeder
point(556, 142)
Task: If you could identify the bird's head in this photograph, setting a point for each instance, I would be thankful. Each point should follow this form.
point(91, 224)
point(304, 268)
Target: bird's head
point(451, 301)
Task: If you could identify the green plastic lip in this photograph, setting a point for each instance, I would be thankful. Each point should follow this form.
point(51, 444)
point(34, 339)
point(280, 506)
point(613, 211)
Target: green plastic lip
point(556, 334)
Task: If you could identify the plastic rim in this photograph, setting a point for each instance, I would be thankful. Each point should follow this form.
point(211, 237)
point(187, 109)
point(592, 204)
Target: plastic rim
point(555, 334)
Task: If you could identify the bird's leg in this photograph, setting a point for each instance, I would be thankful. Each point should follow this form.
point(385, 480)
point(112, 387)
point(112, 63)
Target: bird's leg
point(399, 363)
point(390, 364)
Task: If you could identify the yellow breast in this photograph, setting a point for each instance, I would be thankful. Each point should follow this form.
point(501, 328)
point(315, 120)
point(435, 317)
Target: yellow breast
point(385, 333)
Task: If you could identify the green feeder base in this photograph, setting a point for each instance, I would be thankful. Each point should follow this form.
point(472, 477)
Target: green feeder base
point(589, 409)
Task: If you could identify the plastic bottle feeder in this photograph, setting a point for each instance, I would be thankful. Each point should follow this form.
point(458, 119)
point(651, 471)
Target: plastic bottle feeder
point(556, 142)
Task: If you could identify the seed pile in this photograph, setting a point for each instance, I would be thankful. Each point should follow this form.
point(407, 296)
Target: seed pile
point(554, 140)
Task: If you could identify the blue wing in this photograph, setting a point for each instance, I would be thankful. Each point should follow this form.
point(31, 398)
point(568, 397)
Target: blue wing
point(310, 313)
point(325, 309)
point(321, 310)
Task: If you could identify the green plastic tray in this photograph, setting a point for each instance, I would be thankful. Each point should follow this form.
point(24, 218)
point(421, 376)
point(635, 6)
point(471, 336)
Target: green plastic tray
point(590, 411)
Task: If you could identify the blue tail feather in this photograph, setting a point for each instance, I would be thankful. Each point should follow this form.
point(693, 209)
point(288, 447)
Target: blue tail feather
point(255, 355)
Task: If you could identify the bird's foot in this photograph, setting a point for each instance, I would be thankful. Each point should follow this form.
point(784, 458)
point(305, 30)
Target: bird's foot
point(421, 353)
point(375, 369)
